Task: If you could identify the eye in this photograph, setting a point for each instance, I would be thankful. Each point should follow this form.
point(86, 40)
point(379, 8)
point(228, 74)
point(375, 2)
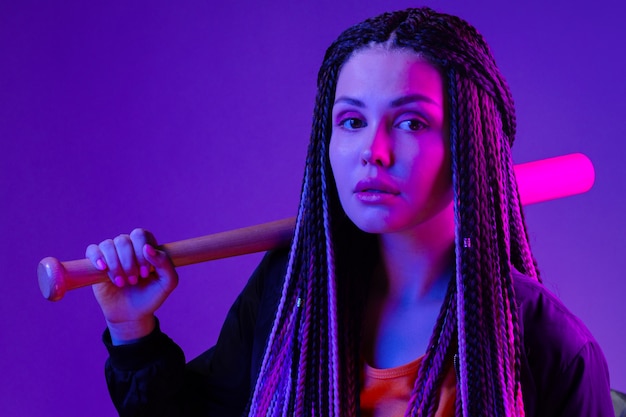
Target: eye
point(352, 123)
point(412, 125)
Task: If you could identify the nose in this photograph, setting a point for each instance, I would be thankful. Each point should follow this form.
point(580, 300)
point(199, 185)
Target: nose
point(378, 150)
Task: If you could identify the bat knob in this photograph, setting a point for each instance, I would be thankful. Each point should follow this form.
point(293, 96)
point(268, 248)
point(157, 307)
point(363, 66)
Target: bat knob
point(51, 276)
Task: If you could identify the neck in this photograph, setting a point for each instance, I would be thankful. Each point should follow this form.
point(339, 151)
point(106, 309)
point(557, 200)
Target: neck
point(418, 263)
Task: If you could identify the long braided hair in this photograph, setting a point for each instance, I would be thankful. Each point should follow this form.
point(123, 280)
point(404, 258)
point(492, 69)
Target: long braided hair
point(312, 362)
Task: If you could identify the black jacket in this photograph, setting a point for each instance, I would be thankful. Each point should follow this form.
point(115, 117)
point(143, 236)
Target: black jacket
point(564, 372)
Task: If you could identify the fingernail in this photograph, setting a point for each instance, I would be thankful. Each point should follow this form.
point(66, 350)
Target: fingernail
point(101, 265)
point(132, 279)
point(144, 272)
point(150, 250)
point(119, 281)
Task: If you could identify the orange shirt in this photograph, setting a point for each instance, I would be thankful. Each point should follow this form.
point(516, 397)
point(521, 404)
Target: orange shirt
point(386, 392)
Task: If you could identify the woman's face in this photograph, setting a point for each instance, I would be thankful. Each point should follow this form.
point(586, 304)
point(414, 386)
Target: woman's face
point(389, 148)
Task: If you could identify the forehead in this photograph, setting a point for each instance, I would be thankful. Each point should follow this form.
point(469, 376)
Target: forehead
point(378, 70)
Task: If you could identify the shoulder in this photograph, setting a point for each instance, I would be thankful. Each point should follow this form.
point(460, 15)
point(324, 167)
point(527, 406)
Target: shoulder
point(564, 371)
point(266, 280)
point(269, 274)
point(546, 319)
point(273, 264)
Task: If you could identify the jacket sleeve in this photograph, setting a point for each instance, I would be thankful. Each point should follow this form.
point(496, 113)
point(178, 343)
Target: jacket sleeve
point(150, 377)
point(585, 390)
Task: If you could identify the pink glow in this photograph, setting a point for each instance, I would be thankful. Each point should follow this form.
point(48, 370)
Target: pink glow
point(552, 178)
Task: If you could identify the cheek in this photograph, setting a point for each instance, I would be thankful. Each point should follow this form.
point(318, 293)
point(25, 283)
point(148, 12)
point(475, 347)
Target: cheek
point(339, 164)
point(428, 168)
point(343, 151)
point(337, 159)
point(332, 152)
point(437, 177)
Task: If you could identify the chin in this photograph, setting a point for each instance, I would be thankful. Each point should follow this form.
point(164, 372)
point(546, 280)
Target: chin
point(374, 220)
point(376, 226)
point(371, 230)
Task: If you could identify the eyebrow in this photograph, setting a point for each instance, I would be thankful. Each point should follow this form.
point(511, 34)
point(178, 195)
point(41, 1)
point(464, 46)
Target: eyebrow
point(395, 103)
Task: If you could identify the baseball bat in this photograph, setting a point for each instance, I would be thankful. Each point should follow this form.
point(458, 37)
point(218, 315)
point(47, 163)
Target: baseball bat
point(538, 181)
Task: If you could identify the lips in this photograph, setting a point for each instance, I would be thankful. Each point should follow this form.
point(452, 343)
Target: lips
point(375, 186)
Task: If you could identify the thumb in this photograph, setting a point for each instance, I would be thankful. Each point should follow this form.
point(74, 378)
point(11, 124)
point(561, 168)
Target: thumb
point(163, 266)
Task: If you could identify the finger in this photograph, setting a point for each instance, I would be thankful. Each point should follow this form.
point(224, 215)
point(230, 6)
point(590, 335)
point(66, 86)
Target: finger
point(94, 254)
point(126, 256)
point(163, 267)
point(140, 238)
point(116, 272)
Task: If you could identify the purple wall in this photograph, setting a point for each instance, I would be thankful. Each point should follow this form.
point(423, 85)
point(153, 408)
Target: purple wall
point(189, 118)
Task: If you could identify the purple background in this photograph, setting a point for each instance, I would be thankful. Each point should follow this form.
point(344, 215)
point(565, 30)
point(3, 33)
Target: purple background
point(189, 118)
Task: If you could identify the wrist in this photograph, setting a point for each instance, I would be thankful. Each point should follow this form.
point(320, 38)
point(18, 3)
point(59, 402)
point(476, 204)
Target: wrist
point(124, 333)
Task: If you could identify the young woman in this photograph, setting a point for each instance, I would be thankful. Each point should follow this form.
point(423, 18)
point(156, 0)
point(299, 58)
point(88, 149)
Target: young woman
point(409, 288)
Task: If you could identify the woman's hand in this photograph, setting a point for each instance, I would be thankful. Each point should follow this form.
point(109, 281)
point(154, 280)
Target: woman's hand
point(141, 278)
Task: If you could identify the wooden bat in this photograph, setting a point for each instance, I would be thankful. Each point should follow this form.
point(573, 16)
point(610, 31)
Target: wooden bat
point(538, 181)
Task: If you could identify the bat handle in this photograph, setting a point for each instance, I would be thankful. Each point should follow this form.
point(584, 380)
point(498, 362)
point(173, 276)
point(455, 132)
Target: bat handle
point(55, 277)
